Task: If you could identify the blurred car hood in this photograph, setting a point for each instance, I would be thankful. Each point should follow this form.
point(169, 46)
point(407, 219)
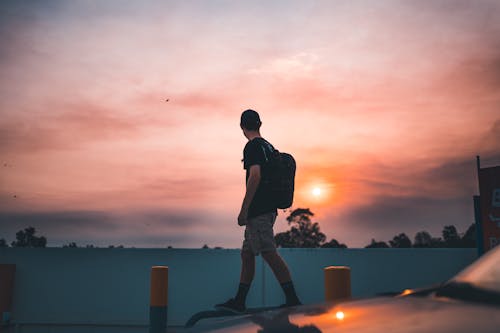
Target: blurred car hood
point(376, 315)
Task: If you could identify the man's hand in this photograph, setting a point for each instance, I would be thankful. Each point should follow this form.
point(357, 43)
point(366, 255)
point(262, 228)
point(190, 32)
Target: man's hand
point(242, 218)
point(252, 184)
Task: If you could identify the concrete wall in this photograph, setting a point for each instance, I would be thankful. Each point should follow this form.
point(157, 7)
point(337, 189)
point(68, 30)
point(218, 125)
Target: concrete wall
point(111, 286)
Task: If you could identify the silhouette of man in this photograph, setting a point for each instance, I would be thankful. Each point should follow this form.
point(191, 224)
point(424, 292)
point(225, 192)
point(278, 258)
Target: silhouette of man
point(258, 214)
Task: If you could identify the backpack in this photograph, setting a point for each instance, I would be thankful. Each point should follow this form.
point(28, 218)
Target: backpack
point(280, 175)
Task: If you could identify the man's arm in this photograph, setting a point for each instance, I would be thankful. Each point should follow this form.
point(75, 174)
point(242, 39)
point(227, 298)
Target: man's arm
point(252, 185)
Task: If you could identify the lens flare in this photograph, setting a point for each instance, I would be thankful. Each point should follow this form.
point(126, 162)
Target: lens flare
point(406, 292)
point(339, 315)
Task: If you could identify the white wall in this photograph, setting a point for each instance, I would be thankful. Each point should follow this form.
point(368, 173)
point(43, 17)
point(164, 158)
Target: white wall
point(111, 286)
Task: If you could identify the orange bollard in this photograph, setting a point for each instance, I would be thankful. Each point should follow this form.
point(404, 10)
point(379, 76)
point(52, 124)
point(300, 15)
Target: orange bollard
point(337, 283)
point(7, 272)
point(158, 299)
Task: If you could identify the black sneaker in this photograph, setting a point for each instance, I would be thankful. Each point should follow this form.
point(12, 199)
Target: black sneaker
point(291, 303)
point(231, 305)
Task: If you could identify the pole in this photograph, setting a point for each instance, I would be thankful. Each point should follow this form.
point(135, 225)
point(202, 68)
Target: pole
point(7, 273)
point(478, 167)
point(158, 299)
point(477, 212)
point(479, 226)
point(337, 283)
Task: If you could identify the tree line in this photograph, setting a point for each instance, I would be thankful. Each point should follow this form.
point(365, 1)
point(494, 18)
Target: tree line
point(303, 233)
point(306, 233)
point(27, 238)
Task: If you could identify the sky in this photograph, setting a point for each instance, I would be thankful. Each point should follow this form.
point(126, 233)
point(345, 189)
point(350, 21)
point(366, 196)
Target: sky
point(383, 104)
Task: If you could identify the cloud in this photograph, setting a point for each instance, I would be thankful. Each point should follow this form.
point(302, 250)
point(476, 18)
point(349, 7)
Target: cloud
point(105, 228)
point(200, 101)
point(73, 224)
point(473, 78)
point(388, 101)
point(389, 213)
point(71, 125)
point(114, 189)
point(388, 216)
point(398, 201)
point(296, 65)
point(488, 143)
point(16, 18)
point(182, 191)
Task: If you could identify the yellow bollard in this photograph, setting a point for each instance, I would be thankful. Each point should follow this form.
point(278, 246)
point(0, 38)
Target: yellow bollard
point(7, 272)
point(337, 283)
point(158, 299)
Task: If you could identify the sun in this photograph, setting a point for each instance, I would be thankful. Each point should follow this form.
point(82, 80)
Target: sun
point(316, 191)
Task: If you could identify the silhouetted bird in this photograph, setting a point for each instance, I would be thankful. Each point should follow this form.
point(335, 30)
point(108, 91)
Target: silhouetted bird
point(15, 196)
point(168, 99)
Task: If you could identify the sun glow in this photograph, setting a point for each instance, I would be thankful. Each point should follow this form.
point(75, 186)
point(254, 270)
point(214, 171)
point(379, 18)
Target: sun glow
point(316, 191)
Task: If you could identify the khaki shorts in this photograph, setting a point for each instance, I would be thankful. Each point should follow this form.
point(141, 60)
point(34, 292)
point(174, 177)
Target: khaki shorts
point(259, 235)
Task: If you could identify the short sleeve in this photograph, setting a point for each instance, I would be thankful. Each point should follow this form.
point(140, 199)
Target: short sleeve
point(253, 154)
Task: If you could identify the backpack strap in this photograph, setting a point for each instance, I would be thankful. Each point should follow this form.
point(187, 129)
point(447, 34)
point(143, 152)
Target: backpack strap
point(269, 146)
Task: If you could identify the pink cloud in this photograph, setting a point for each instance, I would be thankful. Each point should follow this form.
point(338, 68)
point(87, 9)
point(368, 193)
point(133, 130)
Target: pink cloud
point(376, 101)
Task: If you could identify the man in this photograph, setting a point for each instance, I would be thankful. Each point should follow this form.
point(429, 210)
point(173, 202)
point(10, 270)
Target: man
point(258, 214)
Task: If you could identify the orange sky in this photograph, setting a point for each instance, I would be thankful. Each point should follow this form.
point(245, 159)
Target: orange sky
point(383, 104)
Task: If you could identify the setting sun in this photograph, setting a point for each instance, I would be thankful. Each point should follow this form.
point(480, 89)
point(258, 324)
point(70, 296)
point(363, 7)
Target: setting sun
point(316, 191)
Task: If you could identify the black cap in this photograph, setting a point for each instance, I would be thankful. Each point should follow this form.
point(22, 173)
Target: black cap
point(250, 120)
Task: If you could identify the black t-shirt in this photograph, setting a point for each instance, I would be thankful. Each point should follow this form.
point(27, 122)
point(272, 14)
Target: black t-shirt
point(253, 154)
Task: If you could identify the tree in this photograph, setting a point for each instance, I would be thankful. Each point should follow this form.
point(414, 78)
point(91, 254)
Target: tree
point(375, 244)
point(3, 243)
point(303, 232)
point(437, 242)
point(284, 239)
point(451, 237)
point(333, 243)
point(424, 239)
point(400, 241)
point(27, 238)
point(70, 245)
point(469, 238)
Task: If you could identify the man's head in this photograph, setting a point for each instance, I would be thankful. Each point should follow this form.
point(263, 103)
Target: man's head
point(250, 120)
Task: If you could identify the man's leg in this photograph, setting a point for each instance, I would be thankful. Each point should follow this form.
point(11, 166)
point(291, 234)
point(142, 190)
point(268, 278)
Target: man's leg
point(280, 270)
point(246, 276)
point(247, 267)
point(278, 266)
point(237, 304)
